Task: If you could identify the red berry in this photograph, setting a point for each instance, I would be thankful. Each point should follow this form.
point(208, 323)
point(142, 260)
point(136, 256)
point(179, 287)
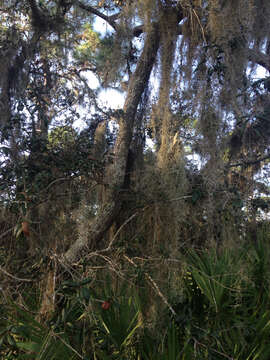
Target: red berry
point(25, 228)
point(105, 305)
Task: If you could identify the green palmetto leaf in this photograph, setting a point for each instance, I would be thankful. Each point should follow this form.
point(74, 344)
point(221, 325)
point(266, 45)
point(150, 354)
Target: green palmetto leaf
point(31, 346)
point(214, 276)
point(121, 322)
point(174, 350)
point(34, 340)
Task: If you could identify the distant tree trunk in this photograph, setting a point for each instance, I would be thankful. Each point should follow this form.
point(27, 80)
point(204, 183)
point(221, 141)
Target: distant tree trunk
point(13, 62)
point(109, 211)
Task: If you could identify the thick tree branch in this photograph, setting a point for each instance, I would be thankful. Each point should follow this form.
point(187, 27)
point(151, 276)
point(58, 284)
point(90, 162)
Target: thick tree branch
point(137, 31)
point(116, 173)
point(250, 162)
point(110, 19)
point(259, 58)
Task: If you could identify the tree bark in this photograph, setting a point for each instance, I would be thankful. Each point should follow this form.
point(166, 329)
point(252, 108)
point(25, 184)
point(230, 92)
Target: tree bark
point(13, 62)
point(259, 58)
point(109, 211)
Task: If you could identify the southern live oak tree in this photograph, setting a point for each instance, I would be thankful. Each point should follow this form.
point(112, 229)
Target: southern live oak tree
point(208, 119)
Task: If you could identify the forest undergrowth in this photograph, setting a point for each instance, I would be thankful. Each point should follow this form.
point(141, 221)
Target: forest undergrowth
point(210, 303)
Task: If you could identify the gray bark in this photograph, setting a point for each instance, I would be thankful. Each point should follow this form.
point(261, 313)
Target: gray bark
point(14, 71)
point(108, 212)
point(259, 58)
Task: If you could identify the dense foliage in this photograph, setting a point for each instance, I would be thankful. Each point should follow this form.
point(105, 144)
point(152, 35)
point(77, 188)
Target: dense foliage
point(221, 311)
point(181, 168)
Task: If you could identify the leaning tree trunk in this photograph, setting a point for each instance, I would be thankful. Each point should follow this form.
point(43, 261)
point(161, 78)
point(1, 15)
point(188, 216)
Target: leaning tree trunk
point(109, 211)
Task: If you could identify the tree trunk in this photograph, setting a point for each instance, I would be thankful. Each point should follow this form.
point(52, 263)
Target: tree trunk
point(109, 211)
point(13, 62)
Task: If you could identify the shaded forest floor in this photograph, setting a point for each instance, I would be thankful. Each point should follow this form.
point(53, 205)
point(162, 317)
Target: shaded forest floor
point(210, 303)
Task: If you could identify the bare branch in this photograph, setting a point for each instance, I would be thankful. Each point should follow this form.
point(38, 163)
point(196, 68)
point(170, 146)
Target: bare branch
point(259, 58)
point(110, 19)
point(250, 162)
point(14, 277)
point(154, 285)
point(6, 232)
point(119, 230)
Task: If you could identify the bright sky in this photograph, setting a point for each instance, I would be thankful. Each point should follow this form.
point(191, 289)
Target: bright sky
point(114, 99)
point(108, 97)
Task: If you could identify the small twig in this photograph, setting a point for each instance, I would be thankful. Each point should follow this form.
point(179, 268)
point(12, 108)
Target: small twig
point(118, 231)
point(69, 346)
point(6, 232)
point(180, 198)
point(14, 277)
point(199, 22)
point(216, 351)
point(156, 259)
point(154, 285)
point(53, 182)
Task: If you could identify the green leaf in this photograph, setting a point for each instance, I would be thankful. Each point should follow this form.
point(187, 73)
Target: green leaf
point(29, 346)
